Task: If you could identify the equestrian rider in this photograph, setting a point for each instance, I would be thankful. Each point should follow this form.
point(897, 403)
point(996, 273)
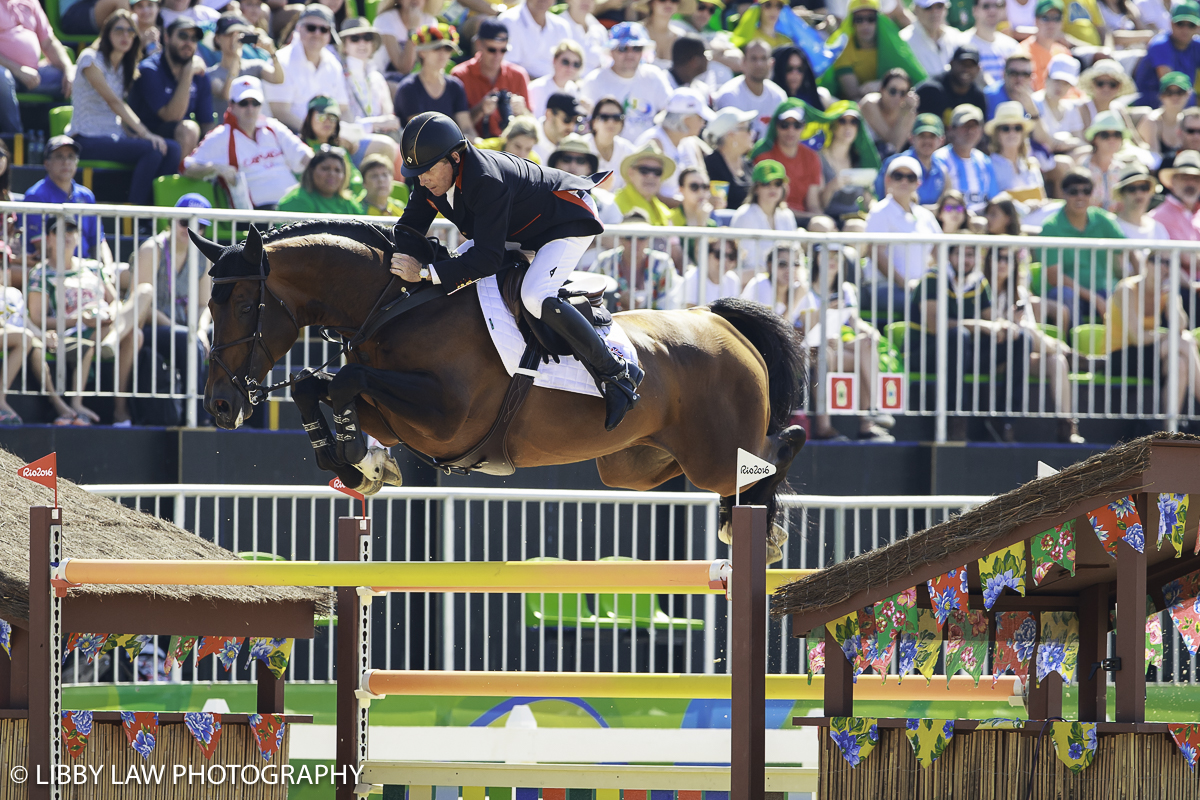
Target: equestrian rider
point(496, 198)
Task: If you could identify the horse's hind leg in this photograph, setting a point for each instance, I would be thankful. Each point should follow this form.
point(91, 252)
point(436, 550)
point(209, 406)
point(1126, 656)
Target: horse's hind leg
point(640, 468)
point(783, 448)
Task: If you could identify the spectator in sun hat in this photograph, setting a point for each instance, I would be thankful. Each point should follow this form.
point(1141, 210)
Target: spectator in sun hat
point(642, 89)
point(927, 137)
point(1133, 193)
point(252, 147)
point(168, 112)
point(370, 96)
point(310, 68)
point(932, 41)
point(765, 208)
point(1016, 170)
point(677, 131)
point(967, 168)
point(729, 136)
point(430, 88)
point(644, 171)
point(489, 76)
point(563, 115)
point(532, 33)
point(234, 61)
point(1161, 128)
point(1177, 213)
point(943, 91)
point(1176, 50)
point(783, 143)
point(1108, 136)
point(1104, 83)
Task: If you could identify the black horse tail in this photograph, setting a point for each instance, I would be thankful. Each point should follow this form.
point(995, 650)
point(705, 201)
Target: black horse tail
point(779, 345)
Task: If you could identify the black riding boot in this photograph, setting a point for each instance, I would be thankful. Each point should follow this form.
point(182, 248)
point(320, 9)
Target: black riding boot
point(616, 378)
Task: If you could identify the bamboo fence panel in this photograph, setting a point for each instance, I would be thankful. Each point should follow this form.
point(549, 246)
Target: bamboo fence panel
point(995, 765)
point(14, 745)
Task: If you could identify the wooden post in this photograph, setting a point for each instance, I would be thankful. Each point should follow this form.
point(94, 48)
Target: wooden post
point(748, 658)
point(41, 664)
point(270, 690)
point(1093, 648)
point(6, 673)
point(1131, 633)
point(350, 534)
point(1045, 699)
point(839, 680)
point(18, 664)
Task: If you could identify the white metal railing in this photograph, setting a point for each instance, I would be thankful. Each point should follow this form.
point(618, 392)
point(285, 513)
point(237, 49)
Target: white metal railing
point(1036, 352)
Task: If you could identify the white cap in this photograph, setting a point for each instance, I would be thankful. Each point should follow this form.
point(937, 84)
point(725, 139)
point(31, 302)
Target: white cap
point(686, 100)
point(1064, 67)
point(246, 87)
point(928, 3)
point(725, 121)
point(906, 161)
point(793, 113)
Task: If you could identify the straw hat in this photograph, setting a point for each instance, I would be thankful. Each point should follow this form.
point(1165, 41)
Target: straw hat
point(1106, 121)
point(649, 150)
point(1106, 68)
point(576, 145)
point(360, 25)
point(1009, 112)
point(1187, 162)
point(1135, 172)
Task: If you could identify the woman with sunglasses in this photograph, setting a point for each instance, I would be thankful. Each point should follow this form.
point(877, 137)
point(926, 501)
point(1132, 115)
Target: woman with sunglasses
point(1107, 136)
point(1160, 129)
point(323, 126)
point(1103, 83)
point(1133, 193)
point(1017, 172)
point(430, 88)
point(792, 73)
point(325, 186)
point(101, 119)
point(370, 96)
point(900, 214)
point(568, 64)
point(845, 141)
point(873, 48)
point(605, 140)
point(765, 209)
point(951, 212)
point(729, 136)
point(891, 112)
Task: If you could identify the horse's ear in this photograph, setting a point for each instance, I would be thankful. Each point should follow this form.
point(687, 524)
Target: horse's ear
point(210, 250)
point(253, 249)
point(413, 243)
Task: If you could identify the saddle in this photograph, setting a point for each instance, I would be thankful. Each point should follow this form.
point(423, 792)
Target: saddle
point(585, 292)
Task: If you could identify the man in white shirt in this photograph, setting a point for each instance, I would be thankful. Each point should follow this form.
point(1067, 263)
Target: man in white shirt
point(263, 153)
point(641, 88)
point(678, 134)
point(994, 47)
point(900, 213)
point(931, 39)
point(752, 91)
point(310, 69)
point(533, 33)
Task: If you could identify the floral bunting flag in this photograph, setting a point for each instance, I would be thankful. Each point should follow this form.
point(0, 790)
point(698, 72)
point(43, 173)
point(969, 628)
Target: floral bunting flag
point(856, 737)
point(226, 649)
point(966, 644)
point(949, 593)
point(1002, 568)
point(1055, 546)
point(1188, 739)
point(929, 738)
point(1000, 724)
point(205, 728)
point(141, 729)
point(897, 614)
point(845, 633)
point(268, 732)
point(816, 658)
point(1059, 649)
point(1172, 514)
point(177, 651)
point(6, 637)
point(1154, 639)
point(272, 652)
point(1117, 520)
point(1179, 589)
point(91, 645)
point(76, 727)
point(126, 641)
point(1016, 635)
point(906, 650)
point(929, 642)
point(1075, 744)
point(875, 651)
point(69, 645)
point(1186, 616)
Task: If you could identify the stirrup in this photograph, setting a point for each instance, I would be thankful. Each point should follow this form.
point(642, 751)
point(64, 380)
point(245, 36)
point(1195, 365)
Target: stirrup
point(619, 381)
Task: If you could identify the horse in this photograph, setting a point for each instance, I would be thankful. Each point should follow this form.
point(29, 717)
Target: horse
point(718, 378)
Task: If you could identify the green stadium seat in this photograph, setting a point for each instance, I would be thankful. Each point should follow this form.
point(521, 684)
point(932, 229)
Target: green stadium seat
point(400, 192)
point(641, 610)
point(1090, 340)
point(51, 7)
point(169, 188)
point(561, 610)
point(60, 118)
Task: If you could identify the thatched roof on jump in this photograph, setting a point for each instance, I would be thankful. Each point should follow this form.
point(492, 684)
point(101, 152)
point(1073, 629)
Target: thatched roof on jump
point(1160, 463)
point(96, 527)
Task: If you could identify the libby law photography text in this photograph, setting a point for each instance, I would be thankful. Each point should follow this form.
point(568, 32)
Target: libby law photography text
point(210, 774)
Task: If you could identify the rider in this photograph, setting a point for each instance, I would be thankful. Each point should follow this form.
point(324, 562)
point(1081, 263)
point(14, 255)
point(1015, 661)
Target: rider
point(496, 198)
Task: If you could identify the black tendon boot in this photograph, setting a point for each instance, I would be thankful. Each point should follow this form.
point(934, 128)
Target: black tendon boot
point(616, 378)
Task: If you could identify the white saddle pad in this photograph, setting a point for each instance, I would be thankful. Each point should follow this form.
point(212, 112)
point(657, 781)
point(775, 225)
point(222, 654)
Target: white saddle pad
point(569, 375)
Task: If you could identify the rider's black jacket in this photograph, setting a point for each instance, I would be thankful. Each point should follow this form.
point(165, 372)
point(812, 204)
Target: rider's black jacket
point(500, 198)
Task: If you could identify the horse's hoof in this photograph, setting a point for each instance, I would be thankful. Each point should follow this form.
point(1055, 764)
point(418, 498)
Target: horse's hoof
point(376, 469)
point(725, 533)
point(775, 541)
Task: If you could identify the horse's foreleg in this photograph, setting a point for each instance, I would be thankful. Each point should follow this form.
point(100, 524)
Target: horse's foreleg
point(308, 394)
point(784, 447)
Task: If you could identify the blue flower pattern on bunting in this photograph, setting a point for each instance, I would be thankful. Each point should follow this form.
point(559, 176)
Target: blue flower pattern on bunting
point(83, 721)
point(1026, 639)
point(201, 725)
point(144, 743)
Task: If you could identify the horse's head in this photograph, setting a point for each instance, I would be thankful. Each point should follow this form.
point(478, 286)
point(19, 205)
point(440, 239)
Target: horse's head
point(252, 327)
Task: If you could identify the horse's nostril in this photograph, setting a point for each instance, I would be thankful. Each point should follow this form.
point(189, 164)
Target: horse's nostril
point(222, 407)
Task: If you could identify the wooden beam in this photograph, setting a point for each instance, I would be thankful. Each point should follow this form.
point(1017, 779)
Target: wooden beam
point(1093, 648)
point(1045, 699)
point(270, 690)
point(350, 534)
point(18, 676)
point(748, 656)
point(167, 616)
point(839, 680)
point(41, 665)
point(1131, 631)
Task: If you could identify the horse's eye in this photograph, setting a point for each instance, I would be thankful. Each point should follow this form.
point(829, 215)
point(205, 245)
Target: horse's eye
point(246, 309)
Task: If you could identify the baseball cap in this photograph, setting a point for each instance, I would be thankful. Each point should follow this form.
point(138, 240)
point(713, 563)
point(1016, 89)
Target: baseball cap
point(686, 100)
point(929, 123)
point(321, 104)
point(61, 140)
point(246, 87)
point(965, 113)
point(194, 200)
point(227, 21)
point(1046, 6)
point(928, 3)
point(628, 34)
point(566, 103)
point(322, 13)
point(492, 29)
point(792, 113)
point(180, 23)
point(1177, 79)
point(965, 52)
point(1187, 11)
point(906, 162)
point(1064, 68)
point(769, 170)
point(725, 121)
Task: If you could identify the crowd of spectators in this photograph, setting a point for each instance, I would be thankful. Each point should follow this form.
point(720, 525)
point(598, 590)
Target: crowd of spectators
point(1052, 117)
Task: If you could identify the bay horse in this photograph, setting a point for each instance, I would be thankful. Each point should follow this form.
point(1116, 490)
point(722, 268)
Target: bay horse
point(718, 378)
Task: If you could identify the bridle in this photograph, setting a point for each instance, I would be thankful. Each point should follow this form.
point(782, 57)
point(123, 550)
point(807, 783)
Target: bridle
point(253, 391)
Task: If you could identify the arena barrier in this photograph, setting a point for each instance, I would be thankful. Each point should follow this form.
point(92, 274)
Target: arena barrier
point(1053, 359)
point(358, 685)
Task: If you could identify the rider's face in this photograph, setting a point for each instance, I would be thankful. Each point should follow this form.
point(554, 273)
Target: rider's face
point(440, 177)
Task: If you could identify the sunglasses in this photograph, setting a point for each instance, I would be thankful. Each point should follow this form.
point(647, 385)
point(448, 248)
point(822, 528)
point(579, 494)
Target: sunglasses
point(124, 29)
point(1079, 191)
point(991, 6)
point(848, 121)
point(698, 187)
point(189, 36)
point(1105, 84)
point(1009, 129)
point(956, 208)
point(610, 117)
point(776, 6)
point(704, 8)
point(1107, 135)
point(1137, 188)
point(249, 103)
point(1190, 131)
point(775, 184)
point(573, 159)
point(1048, 18)
point(327, 117)
point(635, 48)
point(644, 170)
point(317, 28)
point(787, 125)
point(1174, 91)
point(904, 177)
point(896, 92)
point(1017, 73)
point(864, 20)
point(496, 50)
point(355, 38)
point(566, 62)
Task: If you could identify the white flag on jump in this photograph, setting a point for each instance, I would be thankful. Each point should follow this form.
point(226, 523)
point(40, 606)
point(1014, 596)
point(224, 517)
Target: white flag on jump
point(751, 468)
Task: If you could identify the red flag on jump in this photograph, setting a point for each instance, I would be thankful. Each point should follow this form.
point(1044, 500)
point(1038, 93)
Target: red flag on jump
point(43, 471)
point(337, 484)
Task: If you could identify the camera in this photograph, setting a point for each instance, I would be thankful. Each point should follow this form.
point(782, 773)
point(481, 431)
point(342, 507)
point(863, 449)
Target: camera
point(250, 38)
point(504, 107)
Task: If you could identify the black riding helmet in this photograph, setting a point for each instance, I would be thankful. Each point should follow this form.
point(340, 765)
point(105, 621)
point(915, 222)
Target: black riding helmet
point(427, 139)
